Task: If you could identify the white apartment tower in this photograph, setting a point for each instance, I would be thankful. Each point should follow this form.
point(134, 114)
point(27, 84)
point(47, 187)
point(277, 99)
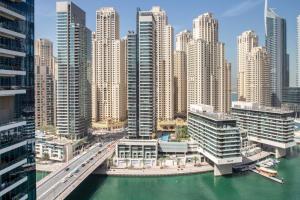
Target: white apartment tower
point(208, 71)
point(164, 64)
point(245, 43)
point(109, 89)
point(180, 72)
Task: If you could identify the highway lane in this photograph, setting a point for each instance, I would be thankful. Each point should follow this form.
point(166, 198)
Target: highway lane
point(57, 180)
point(70, 181)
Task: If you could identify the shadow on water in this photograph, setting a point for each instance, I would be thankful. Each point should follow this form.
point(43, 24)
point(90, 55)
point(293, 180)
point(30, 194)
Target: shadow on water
point(87, 188)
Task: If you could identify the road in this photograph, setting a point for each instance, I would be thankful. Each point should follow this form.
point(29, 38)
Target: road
point(56, 182)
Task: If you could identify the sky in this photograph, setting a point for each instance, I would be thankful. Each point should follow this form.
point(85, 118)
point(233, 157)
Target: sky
point(234, 16)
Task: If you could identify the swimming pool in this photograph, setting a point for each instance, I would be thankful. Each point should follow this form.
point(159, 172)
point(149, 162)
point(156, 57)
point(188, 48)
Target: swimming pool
point(165, 137)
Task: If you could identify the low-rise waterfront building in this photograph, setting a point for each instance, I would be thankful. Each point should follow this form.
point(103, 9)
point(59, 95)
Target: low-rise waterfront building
point(217, 136)
point(268, 126)
point(136, 153)
point(52, 148)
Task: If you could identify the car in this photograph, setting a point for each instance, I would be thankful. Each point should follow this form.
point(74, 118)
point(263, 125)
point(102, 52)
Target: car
point(67, 169)
point(83, 164)
point(76, 171)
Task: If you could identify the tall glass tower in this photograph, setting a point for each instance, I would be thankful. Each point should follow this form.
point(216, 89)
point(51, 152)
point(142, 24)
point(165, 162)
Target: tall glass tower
point(141, 77)
point(275, 32)
point(17, 156)
point(73, 98)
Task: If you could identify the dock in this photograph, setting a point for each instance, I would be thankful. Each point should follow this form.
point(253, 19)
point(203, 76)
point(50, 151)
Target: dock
point(269, 177)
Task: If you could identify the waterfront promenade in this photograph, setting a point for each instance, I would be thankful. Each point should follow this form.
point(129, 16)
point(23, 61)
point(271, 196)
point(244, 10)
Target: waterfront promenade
point(155, 171)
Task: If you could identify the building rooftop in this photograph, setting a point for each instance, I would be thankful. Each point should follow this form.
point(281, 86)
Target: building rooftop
point(208, 111)
point(256, 107)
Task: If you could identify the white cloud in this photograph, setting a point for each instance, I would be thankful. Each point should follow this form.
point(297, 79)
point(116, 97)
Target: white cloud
point(241, 8)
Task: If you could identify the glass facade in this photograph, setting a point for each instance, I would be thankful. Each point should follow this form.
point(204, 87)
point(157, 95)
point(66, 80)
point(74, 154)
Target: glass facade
point(74, 71)
point(279, 59)
point(291, 99)
point(146, 66)
point(132, 81)
point(17, 156)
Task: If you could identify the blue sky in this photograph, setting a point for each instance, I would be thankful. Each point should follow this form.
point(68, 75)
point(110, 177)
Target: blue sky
point(235, 16)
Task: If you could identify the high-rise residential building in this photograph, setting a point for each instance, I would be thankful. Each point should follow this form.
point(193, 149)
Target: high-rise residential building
point(258, 87)
point(209, 80)
point(44, 84)
point(73, 95)
point(146, 59)
point(254, 71)
point(133, 83)
point(109, 69)
point(217, 136)
point(245, 43)
point(17, 156)
point(180, 72)
point(298, 53)
point(164, 65)
point(275, 32)
point(141, 77)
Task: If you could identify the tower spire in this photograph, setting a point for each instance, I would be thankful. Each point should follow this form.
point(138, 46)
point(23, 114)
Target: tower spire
point(265, 15)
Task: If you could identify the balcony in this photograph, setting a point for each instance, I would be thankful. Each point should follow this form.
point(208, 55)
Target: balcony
point(12, 185)
point(11, 124)
point(10, 33)
point(11, 73)
point(11, 12)
point(11, 91)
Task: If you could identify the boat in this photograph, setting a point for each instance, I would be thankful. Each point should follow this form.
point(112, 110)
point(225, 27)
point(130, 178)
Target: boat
point(267, 171)
point(297, 120)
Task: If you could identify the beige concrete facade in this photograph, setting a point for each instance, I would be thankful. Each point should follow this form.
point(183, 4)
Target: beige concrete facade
point(258, 88)
point(180, 72)
point(44, 83)
point(245, 43)
point(164, 65)
point(109, 75)
point(208, 74)
point(254, 72)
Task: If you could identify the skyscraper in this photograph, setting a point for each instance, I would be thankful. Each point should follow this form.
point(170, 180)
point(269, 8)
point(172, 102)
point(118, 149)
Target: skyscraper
point(208, 73)
point(254, 70)
point(44, 83)
point(245, 43)
point(298, 53)
point(146, 59)
point(257, 77)
point(275, 32)
point(109, 68)
point(133, 85)
point(180, 73)
point(73, 74)
point(17, 156)
point(141, 77)
point(164, 65)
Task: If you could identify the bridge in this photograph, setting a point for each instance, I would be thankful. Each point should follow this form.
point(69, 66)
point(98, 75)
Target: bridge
point(59, 184)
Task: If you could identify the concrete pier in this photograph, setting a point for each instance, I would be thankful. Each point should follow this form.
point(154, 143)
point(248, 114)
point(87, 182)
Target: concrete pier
point(279, 152)
point(220, 170)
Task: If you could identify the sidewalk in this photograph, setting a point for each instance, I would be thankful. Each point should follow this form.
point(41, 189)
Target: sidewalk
point(50, 167)
point(154, 171)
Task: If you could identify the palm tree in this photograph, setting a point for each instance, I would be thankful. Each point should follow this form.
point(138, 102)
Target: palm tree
point(195, 159)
